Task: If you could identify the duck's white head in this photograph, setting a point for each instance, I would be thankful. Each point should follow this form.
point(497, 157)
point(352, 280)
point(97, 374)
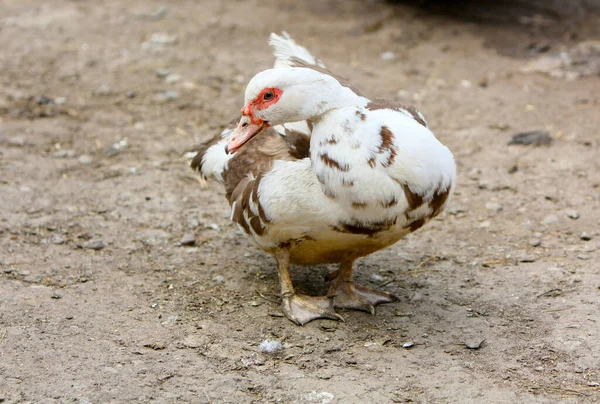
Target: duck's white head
point(291, 94)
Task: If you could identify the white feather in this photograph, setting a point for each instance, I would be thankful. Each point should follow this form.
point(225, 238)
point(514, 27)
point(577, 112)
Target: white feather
point(284, 48)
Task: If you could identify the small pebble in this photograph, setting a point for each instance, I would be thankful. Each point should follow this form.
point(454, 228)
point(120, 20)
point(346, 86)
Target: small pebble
point(218, 278)
point(585, 237)
point(167, 96)
point(61, 154)
point(387, 56)
point(494, 206)
point(17, 141)
point(172, 78)
point(408, 345)
point(550, 219)
point(95, 245)
point(157, 346)
point(474, 344)
point(573, 214)
point(474, 173)
point(56, 296)
point(85, 159)
point(534, 138)
point(584, 257)
point(535, 242)
point(57, 239)
point(270, 346)
point(527, 258)
point(594, 384)
point(188, 239)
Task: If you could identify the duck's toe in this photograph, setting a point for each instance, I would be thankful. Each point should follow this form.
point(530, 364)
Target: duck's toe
point(302, 308)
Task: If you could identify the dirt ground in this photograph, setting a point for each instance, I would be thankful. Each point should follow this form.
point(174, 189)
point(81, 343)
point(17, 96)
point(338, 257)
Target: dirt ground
point(100, 302)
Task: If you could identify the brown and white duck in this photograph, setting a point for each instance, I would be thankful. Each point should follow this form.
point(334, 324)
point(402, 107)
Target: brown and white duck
point(316, 173)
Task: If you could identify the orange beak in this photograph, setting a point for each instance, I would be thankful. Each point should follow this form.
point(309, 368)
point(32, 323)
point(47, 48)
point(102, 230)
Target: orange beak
point(246, 130)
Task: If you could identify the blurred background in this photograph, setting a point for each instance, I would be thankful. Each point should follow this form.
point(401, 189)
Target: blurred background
point(123, 280)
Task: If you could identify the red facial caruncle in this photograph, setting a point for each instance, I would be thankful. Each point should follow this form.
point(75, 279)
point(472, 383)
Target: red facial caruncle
point(264, 100)
point(251, 125)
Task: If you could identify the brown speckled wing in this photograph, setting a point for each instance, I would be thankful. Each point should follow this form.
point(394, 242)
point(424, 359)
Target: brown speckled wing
point(246, 169)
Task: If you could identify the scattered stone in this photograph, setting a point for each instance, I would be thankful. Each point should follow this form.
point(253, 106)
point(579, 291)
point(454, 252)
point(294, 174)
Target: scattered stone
point(56, 296)
point(167, 96)
point(386, 56)
point(550, 219)
point(57, 239)
point(321, 398)
point(376, 278)
point(408, 345)
point(535, 242)
point(160, 13)
point(154, 305)
point(466, 84)
point(43, 100)
point(191, 341)
point(594, 384)
point(218, 278)
point(494, 206)
point(527, 258)
point(61, 154)
point(270, 346)
point(94, 245)
point(455, 210)
point(157, 346)
point(585, 237)
point(130, 94)
point(572, 214)
point(162, 73)
point(513, 169)
point(172, 78)
point(474, 173)
point(483, 184)
point(116, 148)
point(163, 38)
point(188, 239)
point(584, 257)
point(103, 90)
point(474, 344)
point(60, 100)
point(69, 317)
point(533, 138)
point(17, 141)
point(85, 159)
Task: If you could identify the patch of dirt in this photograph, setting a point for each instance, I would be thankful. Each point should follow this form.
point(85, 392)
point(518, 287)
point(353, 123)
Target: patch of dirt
point(100, 303)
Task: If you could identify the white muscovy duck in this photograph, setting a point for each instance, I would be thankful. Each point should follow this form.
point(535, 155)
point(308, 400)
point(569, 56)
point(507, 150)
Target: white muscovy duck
point(371, 174)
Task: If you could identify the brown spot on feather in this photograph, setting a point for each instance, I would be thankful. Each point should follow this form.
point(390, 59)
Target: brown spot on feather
point(439, 198)
point(414, 200)
point(389, 204)
point(369, 229)
point(417, 224)
point(333, 163)
point(359, 205)
point(387, 143)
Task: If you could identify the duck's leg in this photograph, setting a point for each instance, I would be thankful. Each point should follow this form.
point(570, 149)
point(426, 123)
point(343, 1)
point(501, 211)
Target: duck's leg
point(301, 308)
point(348, 295)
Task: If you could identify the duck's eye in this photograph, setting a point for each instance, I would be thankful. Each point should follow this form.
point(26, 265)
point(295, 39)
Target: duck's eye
point(268, 96)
